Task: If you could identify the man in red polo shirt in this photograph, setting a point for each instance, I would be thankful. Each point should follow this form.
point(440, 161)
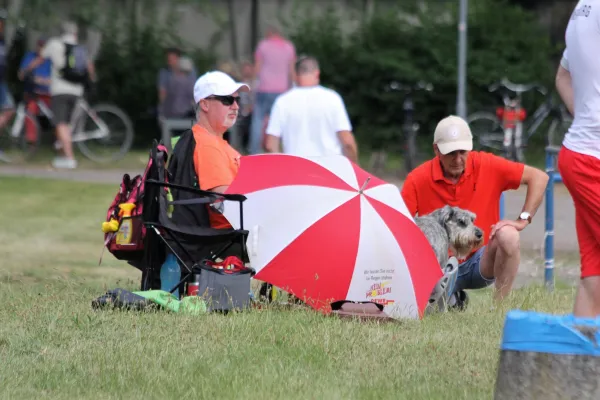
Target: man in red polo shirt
point(474, 181)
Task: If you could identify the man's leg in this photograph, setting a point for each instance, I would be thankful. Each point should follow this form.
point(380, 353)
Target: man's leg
point(7, 104)
point(587, 301)
point(63, 133)
point(581, 176)
point(501, 260)
point(30, 129)
point(62, 107)
point(258, 113)
point(470, 276)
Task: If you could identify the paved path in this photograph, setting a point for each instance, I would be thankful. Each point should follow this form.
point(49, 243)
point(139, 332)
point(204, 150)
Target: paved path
point(532, 237)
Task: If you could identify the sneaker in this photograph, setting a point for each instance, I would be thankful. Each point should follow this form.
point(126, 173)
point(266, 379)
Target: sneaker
point(64, 163)
point(4, 157)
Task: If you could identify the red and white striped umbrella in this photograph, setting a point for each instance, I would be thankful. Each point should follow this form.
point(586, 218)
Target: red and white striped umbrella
point(325, 230)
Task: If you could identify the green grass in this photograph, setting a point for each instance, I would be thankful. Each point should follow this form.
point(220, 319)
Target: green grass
point(134, 159)
point(54, 345)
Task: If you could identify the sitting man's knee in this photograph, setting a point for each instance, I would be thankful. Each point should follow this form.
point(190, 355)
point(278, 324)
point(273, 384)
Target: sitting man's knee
point(508, 240)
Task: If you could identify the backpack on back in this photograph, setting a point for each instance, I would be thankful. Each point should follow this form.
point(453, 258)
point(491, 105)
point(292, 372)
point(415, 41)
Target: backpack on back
point(182, 171)
point(75, 69)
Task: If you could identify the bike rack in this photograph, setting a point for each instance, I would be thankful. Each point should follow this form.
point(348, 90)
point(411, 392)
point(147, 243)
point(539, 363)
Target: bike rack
point(554, 177)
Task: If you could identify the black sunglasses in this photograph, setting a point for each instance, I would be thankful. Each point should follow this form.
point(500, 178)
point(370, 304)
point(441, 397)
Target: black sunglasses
point(226, 100)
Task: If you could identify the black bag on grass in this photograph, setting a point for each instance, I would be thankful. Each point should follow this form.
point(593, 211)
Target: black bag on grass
point(123, 299)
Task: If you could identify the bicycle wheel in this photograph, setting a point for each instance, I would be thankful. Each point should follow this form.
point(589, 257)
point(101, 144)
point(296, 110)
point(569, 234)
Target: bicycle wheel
point(18, 144)
point(107, 148)
point(487, 132)
point(558, 128)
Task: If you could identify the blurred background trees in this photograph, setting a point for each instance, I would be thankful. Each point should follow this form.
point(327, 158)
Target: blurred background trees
point(361, 45)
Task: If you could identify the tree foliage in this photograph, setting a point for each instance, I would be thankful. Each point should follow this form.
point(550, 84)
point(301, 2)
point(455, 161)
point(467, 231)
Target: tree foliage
point(504, 40)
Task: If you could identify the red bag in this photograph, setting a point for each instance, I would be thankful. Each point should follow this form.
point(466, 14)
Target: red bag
point(127, 242)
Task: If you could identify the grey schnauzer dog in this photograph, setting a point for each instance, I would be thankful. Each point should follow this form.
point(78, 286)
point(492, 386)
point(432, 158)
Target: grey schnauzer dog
point(450, 228)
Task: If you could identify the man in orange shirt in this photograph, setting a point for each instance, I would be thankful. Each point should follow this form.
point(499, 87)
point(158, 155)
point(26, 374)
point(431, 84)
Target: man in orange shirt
point(216, 97)
point(474, 181)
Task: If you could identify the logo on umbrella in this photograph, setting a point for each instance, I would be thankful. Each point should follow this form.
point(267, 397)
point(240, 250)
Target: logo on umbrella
point(379, 289)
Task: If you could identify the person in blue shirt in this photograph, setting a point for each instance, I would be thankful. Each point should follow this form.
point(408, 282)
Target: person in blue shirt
point(37, 86)
point(6, 99)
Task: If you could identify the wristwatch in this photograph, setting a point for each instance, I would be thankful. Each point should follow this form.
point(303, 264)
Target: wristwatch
point(525, 216)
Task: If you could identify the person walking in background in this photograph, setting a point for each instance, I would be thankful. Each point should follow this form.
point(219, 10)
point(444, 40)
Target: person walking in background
point(7, 105)
point(36, 87)
point(246, 102)
point(174, 84)
point(310, 120)
point(274, 68)
point(578, 84)
point(71, 71)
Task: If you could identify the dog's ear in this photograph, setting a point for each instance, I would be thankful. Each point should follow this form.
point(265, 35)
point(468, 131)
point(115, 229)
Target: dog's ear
point(472, 215)
point(445, 214)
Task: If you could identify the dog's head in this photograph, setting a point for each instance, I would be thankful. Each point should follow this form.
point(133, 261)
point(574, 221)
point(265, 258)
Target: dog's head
point(463, 235)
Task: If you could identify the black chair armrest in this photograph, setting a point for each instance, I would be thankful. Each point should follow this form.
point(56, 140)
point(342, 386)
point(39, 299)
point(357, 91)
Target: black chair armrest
point(205, 193)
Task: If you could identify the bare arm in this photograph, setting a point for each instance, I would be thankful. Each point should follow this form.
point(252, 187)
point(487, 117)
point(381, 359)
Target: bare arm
point(349, 148)
point(293, 72)
point(273, 144)
point(564, 87)
point(536, 181)
point(91, 71)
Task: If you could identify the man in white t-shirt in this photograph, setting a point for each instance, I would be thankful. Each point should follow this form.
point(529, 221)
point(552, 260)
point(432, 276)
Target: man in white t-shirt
point(578, 83)
point(310, 120)
point(65, 89)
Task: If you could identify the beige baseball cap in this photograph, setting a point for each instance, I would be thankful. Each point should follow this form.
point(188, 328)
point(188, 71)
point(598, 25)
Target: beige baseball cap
point(453, 133)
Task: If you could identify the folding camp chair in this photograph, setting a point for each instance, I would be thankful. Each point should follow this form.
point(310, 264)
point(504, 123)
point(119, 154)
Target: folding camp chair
point(180, 224)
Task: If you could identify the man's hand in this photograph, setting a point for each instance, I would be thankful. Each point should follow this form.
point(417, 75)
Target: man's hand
point(519, 225)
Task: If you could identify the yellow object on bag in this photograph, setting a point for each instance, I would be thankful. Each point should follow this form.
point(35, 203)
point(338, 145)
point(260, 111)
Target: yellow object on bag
point(124, 233)
point(110, 226)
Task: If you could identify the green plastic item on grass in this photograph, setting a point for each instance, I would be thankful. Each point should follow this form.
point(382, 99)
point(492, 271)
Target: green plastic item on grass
point(189, 305)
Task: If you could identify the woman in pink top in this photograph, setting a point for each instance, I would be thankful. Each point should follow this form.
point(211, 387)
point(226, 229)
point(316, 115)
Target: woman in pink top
point(274, 62)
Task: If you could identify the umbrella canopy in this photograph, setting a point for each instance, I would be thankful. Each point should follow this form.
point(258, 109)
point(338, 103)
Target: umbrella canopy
point(325, 230)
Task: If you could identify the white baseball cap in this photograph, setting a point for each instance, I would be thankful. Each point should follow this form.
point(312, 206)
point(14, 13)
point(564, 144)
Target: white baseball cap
point(216, 83)
point(453, 133)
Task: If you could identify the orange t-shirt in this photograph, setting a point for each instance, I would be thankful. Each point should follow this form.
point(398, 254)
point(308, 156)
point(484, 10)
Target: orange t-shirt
point(216, 164)
point(478, 190)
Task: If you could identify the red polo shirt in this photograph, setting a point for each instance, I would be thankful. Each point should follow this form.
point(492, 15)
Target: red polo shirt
point(478, 190)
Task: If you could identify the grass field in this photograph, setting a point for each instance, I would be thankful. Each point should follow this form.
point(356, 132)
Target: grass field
point(52, 344)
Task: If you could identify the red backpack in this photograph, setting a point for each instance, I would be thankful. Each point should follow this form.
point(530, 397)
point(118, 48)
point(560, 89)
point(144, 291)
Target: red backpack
point(124, 229)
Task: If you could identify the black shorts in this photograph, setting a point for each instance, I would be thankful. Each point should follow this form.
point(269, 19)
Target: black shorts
point(62, 106)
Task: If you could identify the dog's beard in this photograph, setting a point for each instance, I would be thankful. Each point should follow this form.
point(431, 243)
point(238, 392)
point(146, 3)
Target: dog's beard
point(464, 245)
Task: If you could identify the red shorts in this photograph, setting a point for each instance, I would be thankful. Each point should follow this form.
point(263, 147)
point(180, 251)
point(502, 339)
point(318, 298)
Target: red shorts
point(581, 175)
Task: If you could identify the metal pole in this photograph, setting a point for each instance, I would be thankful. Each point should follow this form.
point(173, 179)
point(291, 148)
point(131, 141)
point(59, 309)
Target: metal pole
point(461, 103)
point(549, 234)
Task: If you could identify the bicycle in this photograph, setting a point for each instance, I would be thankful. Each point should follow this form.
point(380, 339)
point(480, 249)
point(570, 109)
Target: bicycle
point(410, 128)
point(502, 132)
point(99, 131)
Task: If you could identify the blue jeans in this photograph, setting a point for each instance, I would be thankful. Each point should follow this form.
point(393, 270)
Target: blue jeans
point(469, 273)
point(6, 99)
point(263, 103)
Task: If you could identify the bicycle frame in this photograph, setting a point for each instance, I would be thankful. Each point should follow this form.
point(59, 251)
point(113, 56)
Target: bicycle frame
point(81, 109)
